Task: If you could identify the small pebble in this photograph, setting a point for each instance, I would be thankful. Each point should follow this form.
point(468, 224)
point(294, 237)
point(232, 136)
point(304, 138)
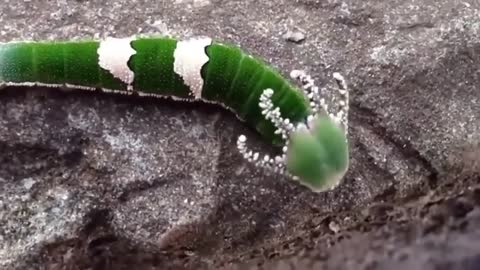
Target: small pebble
point(294, 36)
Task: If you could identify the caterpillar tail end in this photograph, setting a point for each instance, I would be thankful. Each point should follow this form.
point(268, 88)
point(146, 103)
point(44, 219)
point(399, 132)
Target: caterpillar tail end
point(316, 152)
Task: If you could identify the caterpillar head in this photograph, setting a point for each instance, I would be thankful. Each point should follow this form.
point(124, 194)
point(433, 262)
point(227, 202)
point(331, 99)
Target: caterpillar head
point(316, 150)
point(318, 156)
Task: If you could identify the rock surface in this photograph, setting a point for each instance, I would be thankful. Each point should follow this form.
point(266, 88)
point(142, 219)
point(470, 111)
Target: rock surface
point(94, 181)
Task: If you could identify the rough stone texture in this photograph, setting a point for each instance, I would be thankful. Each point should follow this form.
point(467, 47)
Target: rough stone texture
point(93, 181)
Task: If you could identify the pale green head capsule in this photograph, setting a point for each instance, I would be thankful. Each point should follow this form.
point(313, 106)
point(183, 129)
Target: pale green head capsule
point(318, 156)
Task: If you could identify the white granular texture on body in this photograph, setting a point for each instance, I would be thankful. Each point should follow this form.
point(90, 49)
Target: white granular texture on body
point(113, 56)
point(190, 56)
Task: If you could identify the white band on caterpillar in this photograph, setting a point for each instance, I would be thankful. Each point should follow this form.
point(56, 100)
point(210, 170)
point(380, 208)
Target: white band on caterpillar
point(113, 56)
point(190, 56)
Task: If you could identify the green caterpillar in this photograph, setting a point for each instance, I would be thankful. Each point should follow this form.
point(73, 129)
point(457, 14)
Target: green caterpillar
point(313, 140)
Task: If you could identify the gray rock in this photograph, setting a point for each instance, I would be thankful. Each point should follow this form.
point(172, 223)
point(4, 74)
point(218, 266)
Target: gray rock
point(90, 181)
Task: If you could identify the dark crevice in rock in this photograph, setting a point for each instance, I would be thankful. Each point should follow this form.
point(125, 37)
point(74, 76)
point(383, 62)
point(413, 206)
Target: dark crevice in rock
point(136, 188)
point(369, 119)
point(34, 159)
point(96, 219)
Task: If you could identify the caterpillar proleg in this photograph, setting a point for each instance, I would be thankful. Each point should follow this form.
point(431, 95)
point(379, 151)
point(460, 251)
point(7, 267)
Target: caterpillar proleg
point(312, 138)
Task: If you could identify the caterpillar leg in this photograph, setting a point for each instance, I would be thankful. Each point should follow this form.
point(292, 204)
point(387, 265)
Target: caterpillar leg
point(311, 91)
point(283, 127)
point(318, 103)
point(275, 163)
point(343, 106)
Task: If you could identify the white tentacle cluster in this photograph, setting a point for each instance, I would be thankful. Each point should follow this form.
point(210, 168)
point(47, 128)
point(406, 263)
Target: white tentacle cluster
point(285, 127)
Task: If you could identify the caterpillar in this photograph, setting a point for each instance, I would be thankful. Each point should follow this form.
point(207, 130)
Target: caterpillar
point(290, 114)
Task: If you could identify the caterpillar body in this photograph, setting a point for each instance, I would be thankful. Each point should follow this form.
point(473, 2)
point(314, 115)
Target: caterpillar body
point(313, 140)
